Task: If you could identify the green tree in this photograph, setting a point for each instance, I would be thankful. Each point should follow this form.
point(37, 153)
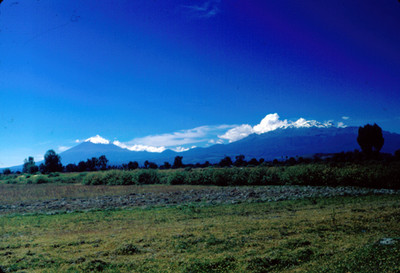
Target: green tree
point(225, 162)
point(253, 162)
point(152, 165)
point(6, 171)
point(240, 161)
point(370, 139)
point(52, 162)
point(71, 168)
point(102, 162)
point(82, 166)
point(166, 166)
point(91, 164)
point(30, 166)
point(133, 165)
point(177, 162)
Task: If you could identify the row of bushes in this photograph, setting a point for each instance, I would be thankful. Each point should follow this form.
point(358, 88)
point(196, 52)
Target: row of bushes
point(373, 175)
point(117, 177)
point(42, 178)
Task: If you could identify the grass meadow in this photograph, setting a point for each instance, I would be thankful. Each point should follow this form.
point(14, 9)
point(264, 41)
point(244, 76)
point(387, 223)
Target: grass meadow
point(342, 234)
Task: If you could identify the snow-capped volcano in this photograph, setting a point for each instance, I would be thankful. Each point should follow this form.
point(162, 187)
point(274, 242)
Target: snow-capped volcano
point(282, 142)
point(97, 140)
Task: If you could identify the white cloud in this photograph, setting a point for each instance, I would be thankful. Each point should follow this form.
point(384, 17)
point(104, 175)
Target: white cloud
point(183, 137)
point(269, 123)
point(345, 118)
point(176, 141)
point(180, 149)
point(63, 148)
point(341, 125)
point(236, 133)
point(77, 141)
point(98, 140)
point(140, 148)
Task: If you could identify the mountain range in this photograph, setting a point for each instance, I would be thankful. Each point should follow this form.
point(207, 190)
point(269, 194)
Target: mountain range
point(271, 145)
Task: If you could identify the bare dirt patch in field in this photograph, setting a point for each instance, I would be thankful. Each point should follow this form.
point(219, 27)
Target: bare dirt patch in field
point(53, 198)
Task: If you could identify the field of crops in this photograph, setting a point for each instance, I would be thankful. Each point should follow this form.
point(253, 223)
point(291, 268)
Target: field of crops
point(366, 174)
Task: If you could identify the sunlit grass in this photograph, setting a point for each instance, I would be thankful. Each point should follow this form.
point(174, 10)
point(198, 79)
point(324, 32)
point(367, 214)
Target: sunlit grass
point(319, 235)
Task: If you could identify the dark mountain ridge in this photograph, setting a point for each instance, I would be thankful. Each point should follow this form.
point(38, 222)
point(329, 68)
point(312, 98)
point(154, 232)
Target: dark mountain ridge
point(277, 144)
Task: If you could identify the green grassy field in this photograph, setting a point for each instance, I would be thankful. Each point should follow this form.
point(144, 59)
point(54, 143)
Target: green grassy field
point(339, 234)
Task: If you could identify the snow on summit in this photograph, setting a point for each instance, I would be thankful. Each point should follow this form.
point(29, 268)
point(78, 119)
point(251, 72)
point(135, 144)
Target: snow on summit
point(97, 140)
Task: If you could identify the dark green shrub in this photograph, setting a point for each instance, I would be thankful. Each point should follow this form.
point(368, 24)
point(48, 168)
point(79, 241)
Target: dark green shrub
point(263, 264)
point(221, 265)
point(41, 179)
point(177, 178)
point(221, 177)
point(95, 266)
point(94, 179)
point(367, 174)
point(147, 177)
point(54, 174)
point(111, 177)
point(272, 176)
point(116, 177)
point(195, 177)
point(163, 177)
point(240, 176)
point(256, 175)
point(302, 254)
point(127, 249)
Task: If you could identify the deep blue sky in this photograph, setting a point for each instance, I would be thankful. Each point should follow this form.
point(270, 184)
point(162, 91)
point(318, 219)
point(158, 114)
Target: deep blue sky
point(127, 70)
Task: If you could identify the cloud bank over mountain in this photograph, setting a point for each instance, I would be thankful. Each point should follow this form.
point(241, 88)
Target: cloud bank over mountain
point(271, 122)
point(203, 136)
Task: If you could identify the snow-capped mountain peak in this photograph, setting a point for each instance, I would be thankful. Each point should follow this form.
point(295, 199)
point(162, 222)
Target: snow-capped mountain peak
point(97, 140)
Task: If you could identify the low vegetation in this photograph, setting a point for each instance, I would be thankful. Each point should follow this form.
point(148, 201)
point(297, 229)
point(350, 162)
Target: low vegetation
point(343, 234)
point(370, 174)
